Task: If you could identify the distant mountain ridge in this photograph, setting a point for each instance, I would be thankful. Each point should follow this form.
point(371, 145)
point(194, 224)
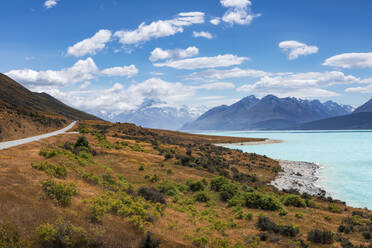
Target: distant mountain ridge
point(154, 113)
point(367, 107)
point(270, 112)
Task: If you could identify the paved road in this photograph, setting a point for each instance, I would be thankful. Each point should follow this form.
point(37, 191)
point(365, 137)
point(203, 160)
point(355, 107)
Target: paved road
point(9, 144)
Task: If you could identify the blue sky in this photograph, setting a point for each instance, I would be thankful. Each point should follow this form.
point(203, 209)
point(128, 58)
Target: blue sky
point(94, 54)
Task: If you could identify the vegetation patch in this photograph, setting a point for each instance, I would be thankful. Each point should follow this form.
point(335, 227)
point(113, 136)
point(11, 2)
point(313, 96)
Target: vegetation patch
point(320, 236)
point(61, 193)
point(58, 171)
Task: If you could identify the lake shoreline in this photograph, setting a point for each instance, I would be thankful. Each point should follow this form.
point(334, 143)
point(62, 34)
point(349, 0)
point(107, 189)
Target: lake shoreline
point(252, 143)
point(300, 176)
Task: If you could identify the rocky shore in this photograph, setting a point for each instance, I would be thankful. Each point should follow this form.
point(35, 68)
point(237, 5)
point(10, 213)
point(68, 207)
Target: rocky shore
point(254, 143)
point(300, 176)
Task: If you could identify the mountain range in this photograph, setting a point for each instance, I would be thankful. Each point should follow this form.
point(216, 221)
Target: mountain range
point(268, 113)
point(24, 113)
point(154, 113)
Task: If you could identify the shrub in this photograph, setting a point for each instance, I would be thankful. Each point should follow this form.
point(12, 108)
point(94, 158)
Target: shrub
point(154, 178)
point(116, 184)
point(195, 185)
point(64, 234)
point(262, 201)
point(170, 188)
point(367, 235)
point(265, 224)
point(47, 153)
point(320, 236)
point(82, 142)
point(202, 197)
point(218, 183)
point(91, 178)
point(334, 208)
point(150, 242)
point(141, 168)
point(201, 241)
point(61, 193)
point(151, 194)
point(294, 200)
point(169, 171)
point(9, 237)
point(58, 171)
point(299, 215)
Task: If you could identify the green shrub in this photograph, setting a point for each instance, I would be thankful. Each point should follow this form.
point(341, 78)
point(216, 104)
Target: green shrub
point(10, 238)
point(320, 236)
point(47, 153)
point(201, 241)
point(82, 142)
point(141, 168)
point(150, 242)
point(294, 200)
point(58, 171)
point(265, 224)
point(169, 171)
point(218, 182)
point(151, 194)
point(334, 208)
point(118, 183)
point(299, 215)
point(91, 178)
point(64, 234)
point(61, 193)
point(170, 188)
point(195, 185)
point(202, 197)
point(154, 178)
point(137, 148)
point(263, 201)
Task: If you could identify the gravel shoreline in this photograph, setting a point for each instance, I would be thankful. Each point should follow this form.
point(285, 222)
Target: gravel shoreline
point(300, 176)
point(253, 143)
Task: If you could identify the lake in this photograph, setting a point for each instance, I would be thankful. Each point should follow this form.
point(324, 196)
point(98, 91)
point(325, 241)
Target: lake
point(345, 158)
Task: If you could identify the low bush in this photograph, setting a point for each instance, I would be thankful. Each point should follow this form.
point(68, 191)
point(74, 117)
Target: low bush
point(202, 197)
point(294, 200)
point(151, 194)
point(170, 188)
point(61, 193)
point(265, 224)
point(320, 236)
point(150, 242)
point(10, 238)
point(195, 185)
point(263, 201)
point(64, 234)
point(48, 153)
point(118, 183)
point(334, 208)
point(91, 178)
point(58, 171)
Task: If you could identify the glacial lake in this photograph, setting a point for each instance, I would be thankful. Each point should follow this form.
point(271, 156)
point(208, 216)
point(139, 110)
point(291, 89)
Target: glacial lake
point(345, 158)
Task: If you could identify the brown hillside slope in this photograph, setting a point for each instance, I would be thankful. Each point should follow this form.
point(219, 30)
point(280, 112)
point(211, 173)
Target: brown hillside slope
point(127, 181)
point(24, 113)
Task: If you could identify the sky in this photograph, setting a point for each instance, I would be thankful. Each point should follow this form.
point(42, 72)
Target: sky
point(108, 56)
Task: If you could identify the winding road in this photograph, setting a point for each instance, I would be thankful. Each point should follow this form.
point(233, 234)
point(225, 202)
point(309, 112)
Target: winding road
point(13, 143)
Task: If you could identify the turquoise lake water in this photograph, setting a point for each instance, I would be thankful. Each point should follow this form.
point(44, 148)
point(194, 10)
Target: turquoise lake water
point(345, 158)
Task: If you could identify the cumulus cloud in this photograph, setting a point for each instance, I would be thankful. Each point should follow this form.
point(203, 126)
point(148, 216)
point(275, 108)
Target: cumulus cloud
point(238, 12)
point(294, 49)
point(124, 71)
point(215, 21)
point(91, 45)
point(50, 3)
point(309, 84)
point(213, 74)
point(350, 60)
point(204, 62)
point(85, 85)
point(119, 98)
point(161, 28)
point(160, 54)
point(203, 34)
point(82, 70)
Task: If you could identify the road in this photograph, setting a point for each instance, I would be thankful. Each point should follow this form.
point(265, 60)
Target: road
point(13, 143)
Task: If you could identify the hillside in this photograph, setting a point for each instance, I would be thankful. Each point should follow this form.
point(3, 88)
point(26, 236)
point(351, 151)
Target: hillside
point(25, 113)
point(126, 186)
point(355, 121)
point(267, 113)
point(367, 107)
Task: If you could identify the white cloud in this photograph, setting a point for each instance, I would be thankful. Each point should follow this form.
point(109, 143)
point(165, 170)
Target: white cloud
point(85, 85)
point(156, 73)
point(213, 74)
point(238, 12)
point(82, 70)
point(350, 60)
point(294, 49)
point(119, 98)
point(124, 71)
point(215, 21)
point(216, 86)
point(305, 85)
point(160, 54)
point(50, 4)
point(204, 62)
point(30, 58)
point(203, 34)
point(161, 28)
point(91, 45)
point(366, 89)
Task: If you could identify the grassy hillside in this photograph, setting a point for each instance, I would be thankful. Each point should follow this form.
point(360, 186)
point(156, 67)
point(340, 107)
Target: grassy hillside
point(119, 185)
point(24, 113)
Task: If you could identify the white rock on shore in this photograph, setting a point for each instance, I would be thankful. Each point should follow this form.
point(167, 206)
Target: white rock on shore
point(300, 176)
